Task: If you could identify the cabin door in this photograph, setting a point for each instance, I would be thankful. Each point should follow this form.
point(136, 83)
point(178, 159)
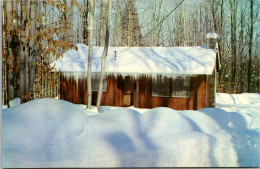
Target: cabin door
point(128, 98)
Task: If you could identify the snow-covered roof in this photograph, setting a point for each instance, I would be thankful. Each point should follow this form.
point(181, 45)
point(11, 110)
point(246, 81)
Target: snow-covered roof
point(141, 60)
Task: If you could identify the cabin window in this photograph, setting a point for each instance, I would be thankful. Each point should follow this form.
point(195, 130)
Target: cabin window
point(95, 83)
point(161, 86)
point(171, 87)
point(181, 87)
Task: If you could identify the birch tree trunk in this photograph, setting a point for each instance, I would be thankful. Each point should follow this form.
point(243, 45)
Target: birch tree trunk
point(90, 51)
point(104, 55)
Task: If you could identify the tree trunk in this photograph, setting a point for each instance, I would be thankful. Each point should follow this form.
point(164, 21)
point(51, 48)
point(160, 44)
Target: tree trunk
point(27, 52)
point(101, 37)
point(129, 27)
point(85, 23)
point(10, 58)
point(33, 50)
point(14, 47)
point(250, 46)
point(233, 26)
point(72, 21)
point(118, 29)
point(22, 50)
point(66, 22)
point(90, 51)
point(104, 55)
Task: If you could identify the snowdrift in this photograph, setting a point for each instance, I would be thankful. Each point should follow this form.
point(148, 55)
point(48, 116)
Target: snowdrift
point(238, 99)
point(247, 104)
point(56, 133)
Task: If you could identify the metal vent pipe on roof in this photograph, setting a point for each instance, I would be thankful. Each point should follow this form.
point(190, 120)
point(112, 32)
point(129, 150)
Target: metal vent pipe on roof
point(212, 39)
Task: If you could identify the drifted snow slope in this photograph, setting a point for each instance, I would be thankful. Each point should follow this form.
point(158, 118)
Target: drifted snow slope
point(56, 133)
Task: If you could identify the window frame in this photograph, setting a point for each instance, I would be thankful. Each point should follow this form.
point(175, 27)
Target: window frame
point(187, 78)
point(171, 86)
point(96, 76)
point(155, 81)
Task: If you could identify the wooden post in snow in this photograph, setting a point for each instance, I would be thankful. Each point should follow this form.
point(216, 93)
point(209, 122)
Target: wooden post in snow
point(104, 56)
point(90, 51)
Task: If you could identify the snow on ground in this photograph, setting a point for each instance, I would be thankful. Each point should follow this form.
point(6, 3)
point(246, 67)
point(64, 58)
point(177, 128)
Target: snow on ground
point(56, 133)
point(15, 102)
point(248, 104)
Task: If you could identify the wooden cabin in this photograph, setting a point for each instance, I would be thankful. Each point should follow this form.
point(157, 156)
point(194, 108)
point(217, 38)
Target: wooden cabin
point(182, 78)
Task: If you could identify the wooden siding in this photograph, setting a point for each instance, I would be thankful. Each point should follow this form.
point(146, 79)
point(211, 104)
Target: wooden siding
point(199, 95)
point(139, 93)
point(77, 93)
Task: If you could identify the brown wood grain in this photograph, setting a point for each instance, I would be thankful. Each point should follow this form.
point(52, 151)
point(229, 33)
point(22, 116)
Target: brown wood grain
point(140, 95)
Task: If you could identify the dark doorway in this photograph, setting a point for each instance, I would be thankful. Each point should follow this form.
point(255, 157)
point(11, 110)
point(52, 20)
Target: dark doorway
point(128, 97)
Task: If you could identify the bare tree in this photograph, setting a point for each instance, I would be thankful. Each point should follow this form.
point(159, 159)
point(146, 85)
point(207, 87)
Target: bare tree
point(104, 55)
point(102, 12)
point(131, 31)
point(85, 22)
point(233, 26)
point(250, 45)
point(33, 49)
point(90, 51)
point(23, 53)
point(72, 20)
point(10, 56)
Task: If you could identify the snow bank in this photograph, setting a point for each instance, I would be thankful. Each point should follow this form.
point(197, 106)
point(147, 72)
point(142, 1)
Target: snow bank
point(144, 60)
point(4, 107)
point(110, 108)
point(248, 104)
point(32, 131)
point(244, 119)
point(56, 133)
point(15, 102)
point(239, 99)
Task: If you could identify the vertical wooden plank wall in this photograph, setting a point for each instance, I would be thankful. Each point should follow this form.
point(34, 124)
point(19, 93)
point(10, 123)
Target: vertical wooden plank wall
point(199, 95)
point(77, 93)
